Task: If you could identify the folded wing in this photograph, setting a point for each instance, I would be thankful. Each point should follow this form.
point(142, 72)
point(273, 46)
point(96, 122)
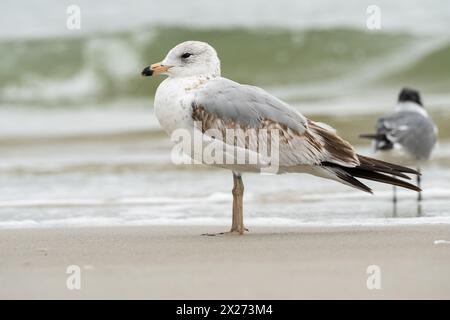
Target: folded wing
point(223, 105)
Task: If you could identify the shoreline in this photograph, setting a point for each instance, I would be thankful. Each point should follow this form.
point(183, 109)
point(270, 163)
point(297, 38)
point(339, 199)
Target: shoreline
point(213, 222)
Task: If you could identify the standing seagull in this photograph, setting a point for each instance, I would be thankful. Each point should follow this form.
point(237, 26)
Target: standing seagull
point(196, 98)
point(409, 132)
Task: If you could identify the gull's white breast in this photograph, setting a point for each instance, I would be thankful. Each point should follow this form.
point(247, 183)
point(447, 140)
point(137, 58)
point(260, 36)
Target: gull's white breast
point(173, 101)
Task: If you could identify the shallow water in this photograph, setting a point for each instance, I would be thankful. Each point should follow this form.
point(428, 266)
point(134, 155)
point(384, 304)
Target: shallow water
point(125, 176)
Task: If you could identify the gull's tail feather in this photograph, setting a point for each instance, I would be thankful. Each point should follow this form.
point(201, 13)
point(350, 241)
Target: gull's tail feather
point(372, 136)
point(381, 141)
point(375, 170)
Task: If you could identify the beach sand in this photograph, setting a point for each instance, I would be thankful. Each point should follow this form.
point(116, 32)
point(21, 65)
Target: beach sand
point(156, 262)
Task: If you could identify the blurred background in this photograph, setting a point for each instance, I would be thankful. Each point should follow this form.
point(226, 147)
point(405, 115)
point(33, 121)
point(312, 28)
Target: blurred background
point(79, 144)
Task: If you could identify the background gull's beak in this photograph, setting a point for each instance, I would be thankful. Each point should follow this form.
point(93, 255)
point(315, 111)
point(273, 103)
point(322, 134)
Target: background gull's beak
point(155, 69)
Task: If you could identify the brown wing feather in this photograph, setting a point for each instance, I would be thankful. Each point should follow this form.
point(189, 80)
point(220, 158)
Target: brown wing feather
point(339, 150)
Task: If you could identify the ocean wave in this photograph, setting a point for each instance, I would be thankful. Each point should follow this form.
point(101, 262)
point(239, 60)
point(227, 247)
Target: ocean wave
point(430, 71)
point(103, 67)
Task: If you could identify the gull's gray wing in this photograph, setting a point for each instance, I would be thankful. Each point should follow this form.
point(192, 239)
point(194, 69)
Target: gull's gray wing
point(247, 105)
point(224, 104)
point(413, 131)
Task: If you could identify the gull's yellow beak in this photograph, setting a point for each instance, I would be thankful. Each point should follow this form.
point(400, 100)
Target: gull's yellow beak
point(155, 69)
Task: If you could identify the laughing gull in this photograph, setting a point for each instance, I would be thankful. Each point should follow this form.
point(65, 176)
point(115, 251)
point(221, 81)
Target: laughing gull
point(408, 132)
point(196, 99)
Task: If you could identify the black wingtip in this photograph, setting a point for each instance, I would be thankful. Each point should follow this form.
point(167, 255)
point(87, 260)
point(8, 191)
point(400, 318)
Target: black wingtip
point(375, 170)
point(386, 167)
point(368, 136)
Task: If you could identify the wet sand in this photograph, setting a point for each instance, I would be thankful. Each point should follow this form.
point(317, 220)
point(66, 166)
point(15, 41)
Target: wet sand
point(177, 263)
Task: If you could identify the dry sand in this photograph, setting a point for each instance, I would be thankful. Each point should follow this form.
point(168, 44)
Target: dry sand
point(268, 263)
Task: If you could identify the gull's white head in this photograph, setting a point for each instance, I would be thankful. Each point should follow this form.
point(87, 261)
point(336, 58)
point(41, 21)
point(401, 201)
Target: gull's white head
point(190, 58)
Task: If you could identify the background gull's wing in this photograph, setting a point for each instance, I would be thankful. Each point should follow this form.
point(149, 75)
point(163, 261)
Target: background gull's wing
point(413, 131)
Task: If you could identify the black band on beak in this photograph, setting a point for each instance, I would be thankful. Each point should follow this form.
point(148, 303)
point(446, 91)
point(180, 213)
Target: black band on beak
point(147, 72)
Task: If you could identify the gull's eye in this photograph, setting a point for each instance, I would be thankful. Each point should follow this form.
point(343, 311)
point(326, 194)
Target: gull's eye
point(186, 55)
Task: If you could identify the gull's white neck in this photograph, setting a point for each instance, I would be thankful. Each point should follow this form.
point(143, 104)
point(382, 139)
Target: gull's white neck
point(173, 101)
point(410, 107)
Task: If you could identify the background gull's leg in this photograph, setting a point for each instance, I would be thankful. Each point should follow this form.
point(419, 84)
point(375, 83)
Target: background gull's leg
point(394, 201)
point(419, 195)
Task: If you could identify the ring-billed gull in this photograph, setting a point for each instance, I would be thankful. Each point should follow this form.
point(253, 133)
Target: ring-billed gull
point(196, 98)
point(408, 132)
